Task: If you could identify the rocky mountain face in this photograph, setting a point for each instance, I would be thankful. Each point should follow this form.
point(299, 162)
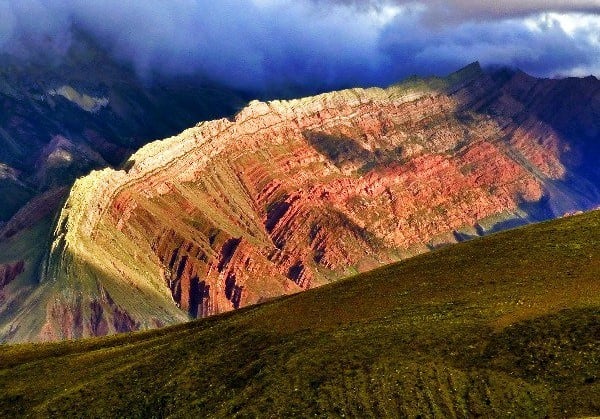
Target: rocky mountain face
point(290, 195)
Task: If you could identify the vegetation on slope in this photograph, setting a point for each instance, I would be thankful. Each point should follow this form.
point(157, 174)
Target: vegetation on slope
point(503, 326)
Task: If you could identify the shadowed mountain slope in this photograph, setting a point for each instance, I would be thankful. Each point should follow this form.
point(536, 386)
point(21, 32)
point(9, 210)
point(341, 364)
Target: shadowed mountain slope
point(289, 195)
point(62, 116)
point(506, 325)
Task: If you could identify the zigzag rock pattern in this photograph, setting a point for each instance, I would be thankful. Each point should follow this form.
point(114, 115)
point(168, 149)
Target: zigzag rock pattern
point(291, 195)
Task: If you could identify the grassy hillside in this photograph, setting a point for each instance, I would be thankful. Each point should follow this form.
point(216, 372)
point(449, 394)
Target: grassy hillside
point(503, 326)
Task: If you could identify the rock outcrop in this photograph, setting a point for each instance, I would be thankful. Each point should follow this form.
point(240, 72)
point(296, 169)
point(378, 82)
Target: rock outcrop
point(72, 318)
point(289, 195)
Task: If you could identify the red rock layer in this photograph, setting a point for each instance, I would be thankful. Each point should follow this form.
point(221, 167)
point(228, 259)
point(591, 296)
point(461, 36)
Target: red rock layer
point(293, 194)
point(80, 316)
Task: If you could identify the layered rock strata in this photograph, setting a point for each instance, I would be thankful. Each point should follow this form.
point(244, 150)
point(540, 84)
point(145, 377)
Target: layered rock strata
point(289, 195)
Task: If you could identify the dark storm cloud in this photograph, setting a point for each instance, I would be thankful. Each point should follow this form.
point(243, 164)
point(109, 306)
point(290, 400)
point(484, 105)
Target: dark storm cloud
point(318, 44)
point(244, 43)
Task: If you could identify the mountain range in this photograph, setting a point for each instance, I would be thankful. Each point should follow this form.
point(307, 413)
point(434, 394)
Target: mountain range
point(277, 198)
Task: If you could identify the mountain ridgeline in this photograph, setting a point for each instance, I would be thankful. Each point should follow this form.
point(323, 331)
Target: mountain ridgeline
point(290, 195)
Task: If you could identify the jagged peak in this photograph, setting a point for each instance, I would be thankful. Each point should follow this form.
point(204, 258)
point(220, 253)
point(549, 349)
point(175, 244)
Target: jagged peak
point(464, 75)
point(472, 68)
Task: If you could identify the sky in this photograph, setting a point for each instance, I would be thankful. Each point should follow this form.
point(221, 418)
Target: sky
point(315, 44)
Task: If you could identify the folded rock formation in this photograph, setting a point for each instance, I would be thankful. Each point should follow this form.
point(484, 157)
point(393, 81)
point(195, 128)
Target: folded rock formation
point(290, 195)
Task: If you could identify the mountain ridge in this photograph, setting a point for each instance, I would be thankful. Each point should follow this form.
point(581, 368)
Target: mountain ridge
point(288, 195)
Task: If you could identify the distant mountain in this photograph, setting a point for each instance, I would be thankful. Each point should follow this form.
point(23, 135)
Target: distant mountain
point(289, 195)
point(64, 116)
point(503, 326)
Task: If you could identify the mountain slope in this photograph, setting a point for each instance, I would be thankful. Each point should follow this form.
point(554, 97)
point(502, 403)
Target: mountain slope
point(505, 325)
point(64, 115)
point(289, 195)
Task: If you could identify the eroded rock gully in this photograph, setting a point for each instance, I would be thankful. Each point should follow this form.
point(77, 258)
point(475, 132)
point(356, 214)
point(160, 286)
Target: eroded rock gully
point(79, 316)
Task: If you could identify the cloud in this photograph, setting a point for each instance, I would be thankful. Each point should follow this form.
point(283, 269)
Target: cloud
point(547, 44)
point(269, 45)
point(449, 11)
point(244, 43)
point(516, 8)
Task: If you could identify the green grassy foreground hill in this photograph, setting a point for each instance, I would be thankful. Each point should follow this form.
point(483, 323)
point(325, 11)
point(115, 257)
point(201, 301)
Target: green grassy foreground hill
point(504, 326)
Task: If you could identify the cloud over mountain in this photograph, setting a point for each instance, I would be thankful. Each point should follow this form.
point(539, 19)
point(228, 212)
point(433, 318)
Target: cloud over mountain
point(468, 9)
point(316, 44)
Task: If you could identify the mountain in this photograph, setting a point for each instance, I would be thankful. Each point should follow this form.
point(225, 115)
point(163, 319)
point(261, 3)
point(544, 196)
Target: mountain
point(501, 326)
point(290, 195)
point(63, 116)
